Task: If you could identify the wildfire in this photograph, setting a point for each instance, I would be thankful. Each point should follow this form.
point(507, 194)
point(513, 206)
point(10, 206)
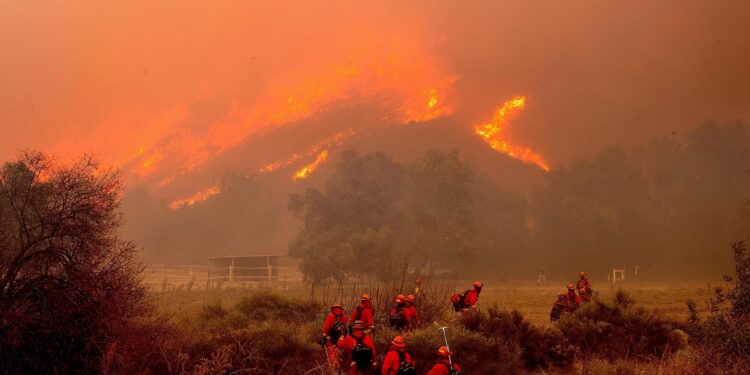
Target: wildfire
point(305, 171)
point(401, 78)
point(195, 198)
point(495, 135)
point(336, 139)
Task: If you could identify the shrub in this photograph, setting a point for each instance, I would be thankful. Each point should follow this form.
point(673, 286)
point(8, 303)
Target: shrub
point(263, 305)
point(536, 347)
point(617, 330)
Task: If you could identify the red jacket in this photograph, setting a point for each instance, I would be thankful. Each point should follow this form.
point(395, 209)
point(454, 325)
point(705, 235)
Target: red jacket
point(331, 320)
point(347, 346)
point(365, 316)
point(472, 297)
point(441, 368)
point(411, 311)
point(407, 316)
point(574, 300)
point(392, 362)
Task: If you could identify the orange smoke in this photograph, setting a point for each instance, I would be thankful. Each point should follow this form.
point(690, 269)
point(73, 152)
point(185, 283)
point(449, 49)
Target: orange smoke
point(310, 168)
point(195, 198)
point(496, 135)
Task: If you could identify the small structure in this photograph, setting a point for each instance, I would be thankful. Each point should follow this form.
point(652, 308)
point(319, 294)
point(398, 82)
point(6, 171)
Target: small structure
point(244, 268)
point(615, 273)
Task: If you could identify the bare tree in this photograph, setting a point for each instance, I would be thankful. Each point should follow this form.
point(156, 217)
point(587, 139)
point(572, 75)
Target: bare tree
point(68, 284)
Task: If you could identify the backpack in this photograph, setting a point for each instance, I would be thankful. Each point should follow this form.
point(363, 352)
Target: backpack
point(459, 300)
point(338, 330)
point(397, 320)
point(362, 354)
point(405, 368)
point(451, 370)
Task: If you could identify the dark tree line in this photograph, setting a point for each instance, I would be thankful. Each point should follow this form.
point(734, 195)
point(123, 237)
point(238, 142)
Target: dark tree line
point(669, 207)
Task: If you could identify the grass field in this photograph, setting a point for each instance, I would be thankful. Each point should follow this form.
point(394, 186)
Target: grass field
point(202, 333)
point(533, 301)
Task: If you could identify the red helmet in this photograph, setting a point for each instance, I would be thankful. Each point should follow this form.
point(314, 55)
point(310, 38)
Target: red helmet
point(583, 274)
point(335, 305)
point(411, 298)
point(571, 287)
point(477, 284)
point(443, 352)
point(398, 342)
point(582, 290)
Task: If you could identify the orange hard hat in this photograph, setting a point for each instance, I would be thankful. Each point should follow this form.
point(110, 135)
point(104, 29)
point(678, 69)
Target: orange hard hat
point(400, 296)
point(411, 298)
point(583, 273)
point(365, 297)
point(398, 341)
point(477, 284)
point(358, 325)
point(443, 352)
point(571, 286)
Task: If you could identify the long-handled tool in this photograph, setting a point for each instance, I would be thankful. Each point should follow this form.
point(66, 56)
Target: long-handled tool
point(447, 347)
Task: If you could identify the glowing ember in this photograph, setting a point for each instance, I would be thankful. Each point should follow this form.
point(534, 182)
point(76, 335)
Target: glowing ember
point(310, 168)
point(195, 198)
point(495, 135)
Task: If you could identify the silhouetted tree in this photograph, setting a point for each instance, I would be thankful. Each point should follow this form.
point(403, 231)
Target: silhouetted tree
point(68, 285)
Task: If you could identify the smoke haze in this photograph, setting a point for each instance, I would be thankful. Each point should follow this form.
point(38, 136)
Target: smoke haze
point(184, 95)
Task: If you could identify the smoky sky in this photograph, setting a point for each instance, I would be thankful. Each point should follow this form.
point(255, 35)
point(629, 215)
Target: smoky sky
point(107, 77)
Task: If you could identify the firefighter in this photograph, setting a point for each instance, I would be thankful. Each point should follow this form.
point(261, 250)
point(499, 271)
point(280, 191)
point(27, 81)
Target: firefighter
point(397, 360)
point(472, 297)
point(444, 365)
point(411, 311)
point(335, 325)
point(573, 299)
point(398, 318)
point(364, 312)
point(559, 307)
point(584, 282)
point(358, 351)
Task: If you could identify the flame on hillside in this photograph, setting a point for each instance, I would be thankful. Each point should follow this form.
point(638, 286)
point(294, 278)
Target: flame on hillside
point(496, 135)
point(398, 77)
point(195, 198)
point(336, 139)
point(310, 168)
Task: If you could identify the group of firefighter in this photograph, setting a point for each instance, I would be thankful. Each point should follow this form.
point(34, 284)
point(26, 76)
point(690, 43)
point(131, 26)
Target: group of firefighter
point(569, 302)
point(350, 348)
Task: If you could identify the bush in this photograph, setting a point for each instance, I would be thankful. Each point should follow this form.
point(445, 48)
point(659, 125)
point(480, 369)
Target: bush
point(524, 345)
point(263, 305)
point(617, 330)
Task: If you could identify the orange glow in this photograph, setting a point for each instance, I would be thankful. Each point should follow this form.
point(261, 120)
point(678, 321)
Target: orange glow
point(495, 134)
point(195, 198)
point(310, 168)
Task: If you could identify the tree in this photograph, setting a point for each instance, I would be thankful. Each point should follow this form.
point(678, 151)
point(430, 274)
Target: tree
point(68, 285)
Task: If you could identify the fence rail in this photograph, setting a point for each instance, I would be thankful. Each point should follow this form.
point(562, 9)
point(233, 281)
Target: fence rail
point(191, 277)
